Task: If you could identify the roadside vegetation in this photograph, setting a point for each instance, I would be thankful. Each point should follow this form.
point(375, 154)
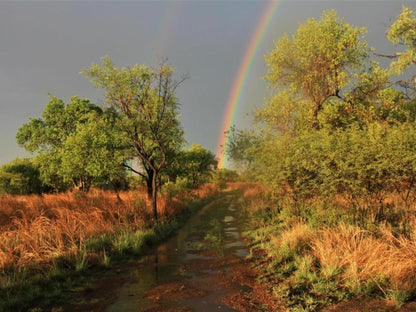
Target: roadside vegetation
point(49, 243)
point(334, 151)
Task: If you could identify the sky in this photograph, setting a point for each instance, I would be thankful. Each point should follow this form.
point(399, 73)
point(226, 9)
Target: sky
point(45, 44)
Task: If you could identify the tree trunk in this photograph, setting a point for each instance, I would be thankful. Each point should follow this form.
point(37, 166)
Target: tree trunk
point(154, 195)
point(149, 183)
point(315, 119)
point(316, 110)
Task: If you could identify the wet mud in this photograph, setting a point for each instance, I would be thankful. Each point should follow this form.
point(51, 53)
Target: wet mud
point(202, 268)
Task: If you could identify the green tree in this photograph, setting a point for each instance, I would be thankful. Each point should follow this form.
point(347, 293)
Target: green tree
point(323, 86)
point(93, 153)
point(21, 176)
point(403, 32)
point(199, 164)
point(194, 166)
point(224, 175)
point(314, 68)
point(75, 143)
point(241, 147)
point(148, 109)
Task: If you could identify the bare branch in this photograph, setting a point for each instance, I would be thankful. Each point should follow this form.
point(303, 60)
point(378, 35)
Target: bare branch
point(387, 56)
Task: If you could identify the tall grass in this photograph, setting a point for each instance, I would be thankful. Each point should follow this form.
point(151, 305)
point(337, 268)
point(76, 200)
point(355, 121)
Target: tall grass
point(48, 242)
point(39, 229)
point(363, 256)
point(323, 250)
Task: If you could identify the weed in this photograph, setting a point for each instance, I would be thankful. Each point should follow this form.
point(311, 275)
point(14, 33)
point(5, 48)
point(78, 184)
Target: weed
point(81, 261)
point(106, 259)
point(399, 297)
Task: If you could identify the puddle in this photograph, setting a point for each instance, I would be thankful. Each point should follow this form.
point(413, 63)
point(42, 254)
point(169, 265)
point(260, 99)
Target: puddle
point(228, 219)
point(241, 253)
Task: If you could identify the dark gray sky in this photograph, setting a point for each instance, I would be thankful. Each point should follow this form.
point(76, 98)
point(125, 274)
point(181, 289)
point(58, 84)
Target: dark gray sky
point(44, 45)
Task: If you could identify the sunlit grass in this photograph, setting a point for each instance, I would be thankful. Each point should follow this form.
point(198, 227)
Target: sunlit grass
point(49, 242)
point(320, 252)
point(42, 228)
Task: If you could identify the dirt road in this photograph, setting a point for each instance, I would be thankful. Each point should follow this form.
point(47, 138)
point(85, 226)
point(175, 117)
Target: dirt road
point(202, 268)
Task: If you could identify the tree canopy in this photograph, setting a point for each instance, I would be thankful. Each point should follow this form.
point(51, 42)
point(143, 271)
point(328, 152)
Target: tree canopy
point(147, 107)
point(75, 143)
point(21, 176)
point(317, 62)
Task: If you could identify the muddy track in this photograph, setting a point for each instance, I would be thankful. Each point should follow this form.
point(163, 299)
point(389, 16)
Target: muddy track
point(202, 268)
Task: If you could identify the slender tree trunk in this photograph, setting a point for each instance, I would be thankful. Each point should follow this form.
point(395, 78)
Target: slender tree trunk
point(149, 183)
point(316, 110)
point(154, 195)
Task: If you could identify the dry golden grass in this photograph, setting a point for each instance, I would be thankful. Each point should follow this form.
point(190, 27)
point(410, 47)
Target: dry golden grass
point(362, 256)
point(358, 255)
point(205, 190)
point(254, 194)
point(297, 237)
point(41, 228)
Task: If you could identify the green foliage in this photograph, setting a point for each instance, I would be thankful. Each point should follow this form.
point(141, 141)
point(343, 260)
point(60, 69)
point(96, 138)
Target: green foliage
point(76, 143)
point(336, 144)
point(196, 165)
point(361, 163)
point(94, 152)
point(148, 111)
point(223, 176)
point(241, 146)
point(399, 297)
point(360, 143)
point(21, 176)
point(313, 67)
point(403, 32)
point(199, 164)
point(134, 242)
point(177, 189)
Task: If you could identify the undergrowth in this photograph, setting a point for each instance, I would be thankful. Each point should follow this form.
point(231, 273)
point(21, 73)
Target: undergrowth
point(318, 254)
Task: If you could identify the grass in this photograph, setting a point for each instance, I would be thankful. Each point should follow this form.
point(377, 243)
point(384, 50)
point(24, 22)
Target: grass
point(50, 242)
point(319, 253)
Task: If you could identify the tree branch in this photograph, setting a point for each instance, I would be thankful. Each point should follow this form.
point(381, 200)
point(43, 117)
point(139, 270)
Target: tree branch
point(388, 56)
point(133, 170)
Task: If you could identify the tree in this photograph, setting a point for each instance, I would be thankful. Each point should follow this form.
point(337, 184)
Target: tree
point(315, 66)
point(195, 166)
point(94, 152)
point(75, 143)
point(21, 176)
point(224, 175)
point(241, 147)
point(199, 164)
point(148, 110)
point(403, 32)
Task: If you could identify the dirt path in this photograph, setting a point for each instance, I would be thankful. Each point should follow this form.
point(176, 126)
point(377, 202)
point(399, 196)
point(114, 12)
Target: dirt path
point(202, 268)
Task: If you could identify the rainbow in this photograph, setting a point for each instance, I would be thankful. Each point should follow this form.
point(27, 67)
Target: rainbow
point(241, 79)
